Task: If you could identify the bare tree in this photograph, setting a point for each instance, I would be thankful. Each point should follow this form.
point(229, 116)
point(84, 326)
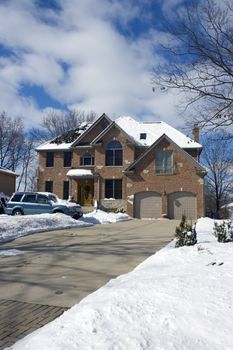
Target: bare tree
point(200, 61)
point(17, 146)
point(217, 156)
point(11, 141)
point(28, 166)
point(57, 123)
point(17, 150)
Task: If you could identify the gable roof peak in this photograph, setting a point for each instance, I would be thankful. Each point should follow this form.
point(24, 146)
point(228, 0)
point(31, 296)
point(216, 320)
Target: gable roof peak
point(175, 145)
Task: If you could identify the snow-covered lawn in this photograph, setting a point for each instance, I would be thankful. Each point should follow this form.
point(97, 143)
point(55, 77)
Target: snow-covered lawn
point(178, 299)
point(12, 227)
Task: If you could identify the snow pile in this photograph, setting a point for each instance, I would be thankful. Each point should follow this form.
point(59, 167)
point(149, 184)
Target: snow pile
point(12, 227)
point(101, 217)
point(17, 226)
point(11, 252)
point(179, 298)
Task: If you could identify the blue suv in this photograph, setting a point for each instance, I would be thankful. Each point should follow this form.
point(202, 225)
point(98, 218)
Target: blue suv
point(28, 203)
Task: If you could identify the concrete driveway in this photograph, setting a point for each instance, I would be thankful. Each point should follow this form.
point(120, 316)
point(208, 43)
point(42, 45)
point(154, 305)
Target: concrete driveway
point(57, 269)
point(60, 268)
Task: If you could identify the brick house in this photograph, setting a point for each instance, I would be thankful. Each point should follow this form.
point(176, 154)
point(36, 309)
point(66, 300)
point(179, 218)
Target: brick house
point(7, 181)
point(150, 170)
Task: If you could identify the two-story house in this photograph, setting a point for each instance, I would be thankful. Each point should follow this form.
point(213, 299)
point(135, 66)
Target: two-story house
point(150, 170)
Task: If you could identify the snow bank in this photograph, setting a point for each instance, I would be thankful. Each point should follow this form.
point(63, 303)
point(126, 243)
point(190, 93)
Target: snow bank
point(101, 217)
point(11, 252)
point(177, 299)
point(12, 227)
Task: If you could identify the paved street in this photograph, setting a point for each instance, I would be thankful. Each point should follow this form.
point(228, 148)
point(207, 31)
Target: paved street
point(59, 268)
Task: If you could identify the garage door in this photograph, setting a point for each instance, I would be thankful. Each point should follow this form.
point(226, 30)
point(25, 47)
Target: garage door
point(147, 205)
point(180, 203)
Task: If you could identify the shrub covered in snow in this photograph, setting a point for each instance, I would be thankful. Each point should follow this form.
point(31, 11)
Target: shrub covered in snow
point(185, 233)
point(224, 231)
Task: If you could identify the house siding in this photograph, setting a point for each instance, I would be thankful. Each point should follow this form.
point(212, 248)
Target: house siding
point(7, 183)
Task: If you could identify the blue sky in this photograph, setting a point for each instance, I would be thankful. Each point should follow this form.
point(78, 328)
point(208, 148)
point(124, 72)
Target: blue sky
point(85, 54)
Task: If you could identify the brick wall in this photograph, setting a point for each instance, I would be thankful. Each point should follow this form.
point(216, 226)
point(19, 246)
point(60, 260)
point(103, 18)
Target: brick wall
point(57, 173)
point(184, 179)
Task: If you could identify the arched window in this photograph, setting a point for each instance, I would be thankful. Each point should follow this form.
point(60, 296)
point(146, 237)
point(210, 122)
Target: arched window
point(87, 159)
point(114, 153)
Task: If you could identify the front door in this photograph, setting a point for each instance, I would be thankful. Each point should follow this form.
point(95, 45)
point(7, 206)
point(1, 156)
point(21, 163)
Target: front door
point(85, 190)
point(87, 195)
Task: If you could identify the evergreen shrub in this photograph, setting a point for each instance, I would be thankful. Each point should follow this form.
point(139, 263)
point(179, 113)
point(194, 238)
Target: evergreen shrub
point(185, 233)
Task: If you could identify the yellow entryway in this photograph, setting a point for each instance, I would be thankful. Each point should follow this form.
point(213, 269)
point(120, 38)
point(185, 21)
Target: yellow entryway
point(85, 192)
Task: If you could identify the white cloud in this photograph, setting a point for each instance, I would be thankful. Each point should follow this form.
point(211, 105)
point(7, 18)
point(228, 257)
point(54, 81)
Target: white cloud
point(107, 71)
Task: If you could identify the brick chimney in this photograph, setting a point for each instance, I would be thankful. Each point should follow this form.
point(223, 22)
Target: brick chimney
point(196, 132)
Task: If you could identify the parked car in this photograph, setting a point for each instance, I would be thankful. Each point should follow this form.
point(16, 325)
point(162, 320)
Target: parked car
point(28, 203)
point(3, 202)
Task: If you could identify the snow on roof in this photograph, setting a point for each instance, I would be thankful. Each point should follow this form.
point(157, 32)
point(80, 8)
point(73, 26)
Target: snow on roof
point(65, 141)
point(134, 128)
point(80, 173)
point(7, 171)
point(48, 146)
point(153, 131)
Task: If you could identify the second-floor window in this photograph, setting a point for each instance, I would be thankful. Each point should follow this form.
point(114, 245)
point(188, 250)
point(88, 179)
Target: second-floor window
point(164, 162)
point(114, 154)
point(67, 159)
point(49, 159)
point(87, 159)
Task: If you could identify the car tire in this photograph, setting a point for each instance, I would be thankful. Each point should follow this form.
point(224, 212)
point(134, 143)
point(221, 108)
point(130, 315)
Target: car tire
point(17, 212)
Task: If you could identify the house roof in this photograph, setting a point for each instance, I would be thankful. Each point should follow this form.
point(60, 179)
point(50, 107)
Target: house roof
point(153, 131)
point(105, 131)
point(132, 128)
point(103, 116)
point(65, 141)
point(175, 145)
point(7, 171)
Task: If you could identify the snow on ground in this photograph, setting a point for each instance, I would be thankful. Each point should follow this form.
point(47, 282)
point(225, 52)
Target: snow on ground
point(12, 227)
point(178, 299)
point(101, 217)
point(11, 252)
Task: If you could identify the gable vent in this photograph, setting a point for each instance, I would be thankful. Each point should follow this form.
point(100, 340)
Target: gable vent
point(143, 136)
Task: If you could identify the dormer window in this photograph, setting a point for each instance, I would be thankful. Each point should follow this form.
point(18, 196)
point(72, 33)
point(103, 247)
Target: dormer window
point(143, 136)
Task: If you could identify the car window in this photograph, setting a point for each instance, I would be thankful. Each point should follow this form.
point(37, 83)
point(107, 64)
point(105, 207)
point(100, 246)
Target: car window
point(42, 199)
point(53, 198)
point(31, 198)
point(16, 197)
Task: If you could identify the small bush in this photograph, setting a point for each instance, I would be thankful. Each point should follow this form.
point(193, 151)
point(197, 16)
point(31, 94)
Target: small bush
point(224, 231)
point(185, 234)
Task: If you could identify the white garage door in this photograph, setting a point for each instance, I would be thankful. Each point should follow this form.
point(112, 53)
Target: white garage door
point(147, 205)
point(182, 203)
